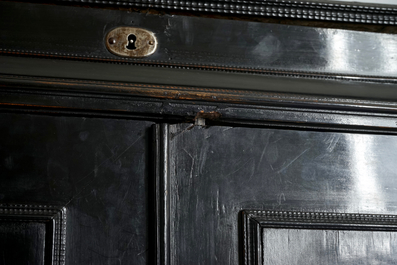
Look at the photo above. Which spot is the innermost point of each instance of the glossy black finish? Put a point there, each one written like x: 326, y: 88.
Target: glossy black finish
x: 216, y: 172
x: 96, y: 168
x: 116, y: 152
x: 192, y: 42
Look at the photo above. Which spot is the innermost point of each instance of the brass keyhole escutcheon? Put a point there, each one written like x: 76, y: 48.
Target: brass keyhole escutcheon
x: 131, y: 42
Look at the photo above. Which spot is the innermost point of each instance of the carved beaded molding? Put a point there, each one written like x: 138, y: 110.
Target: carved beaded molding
x: 338, y: 12
x: 41, y: 213
x: 255, y: 221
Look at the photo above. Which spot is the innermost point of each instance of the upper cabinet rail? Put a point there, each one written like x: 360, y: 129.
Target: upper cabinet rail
x: 66, y: 32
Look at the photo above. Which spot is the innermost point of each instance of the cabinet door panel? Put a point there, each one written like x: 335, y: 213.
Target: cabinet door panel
x: 217, y: 172
x: 94, y: 168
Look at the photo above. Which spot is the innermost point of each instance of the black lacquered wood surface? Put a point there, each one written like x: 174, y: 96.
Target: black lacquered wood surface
x: 217, y: 172
x: 236, y: 143
x: 190, y: 42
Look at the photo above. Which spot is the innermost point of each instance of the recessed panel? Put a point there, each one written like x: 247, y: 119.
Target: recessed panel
x: 32, y: 234
x: 327, y: 247
x: 311, y: 238
x: 22, y: 243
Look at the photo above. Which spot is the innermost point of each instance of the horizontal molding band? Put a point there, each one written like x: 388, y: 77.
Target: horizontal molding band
x: 82, y: 97
x: 257, y: 71
x: 380, y: 89
x: 193, y: 43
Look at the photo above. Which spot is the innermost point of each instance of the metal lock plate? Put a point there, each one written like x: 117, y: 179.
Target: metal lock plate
x: 131, y: 42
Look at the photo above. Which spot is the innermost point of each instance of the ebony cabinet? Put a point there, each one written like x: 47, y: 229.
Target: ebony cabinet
x: 236, y: 142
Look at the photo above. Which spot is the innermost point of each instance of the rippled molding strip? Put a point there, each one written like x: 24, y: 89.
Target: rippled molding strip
x: 272, y: 8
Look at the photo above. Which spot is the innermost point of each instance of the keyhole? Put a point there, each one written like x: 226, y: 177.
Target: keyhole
x: 131, y: 42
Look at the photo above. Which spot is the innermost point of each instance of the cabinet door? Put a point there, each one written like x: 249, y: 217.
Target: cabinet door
x: 277, y: 196
x: 74, y: 189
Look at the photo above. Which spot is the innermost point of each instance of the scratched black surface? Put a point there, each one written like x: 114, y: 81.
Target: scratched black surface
x: 216, y: 172
x: 97, y: 168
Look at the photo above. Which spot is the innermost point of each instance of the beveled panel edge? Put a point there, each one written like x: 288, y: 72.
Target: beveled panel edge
x: 40, y: 212
x: 256, y: 220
